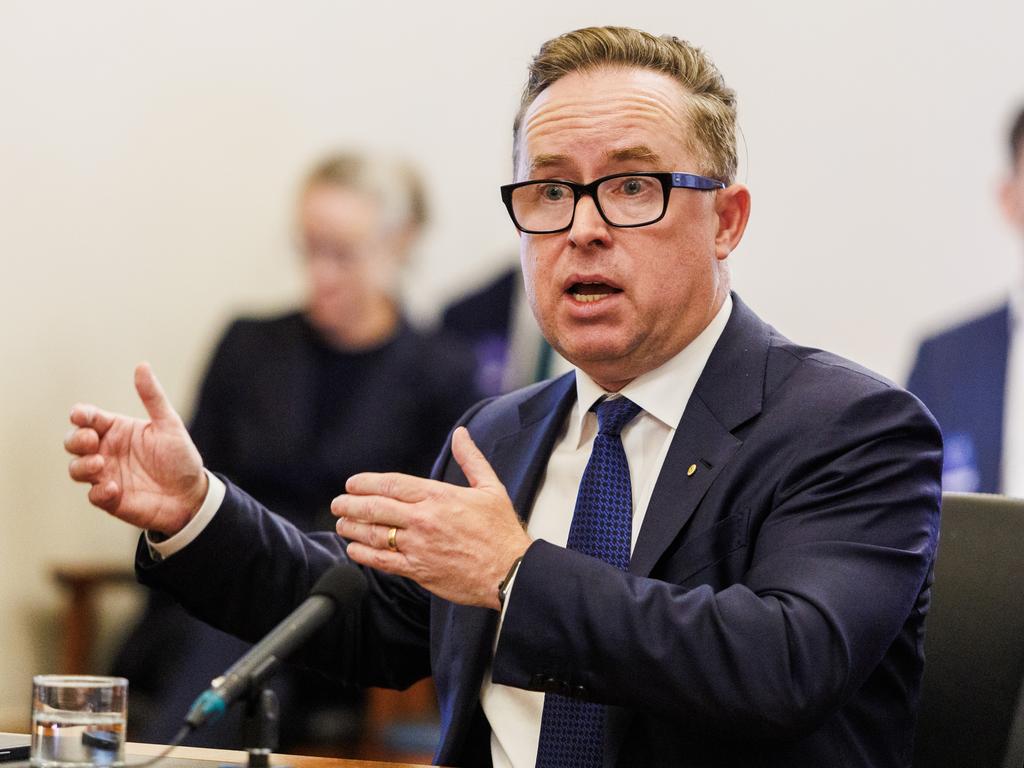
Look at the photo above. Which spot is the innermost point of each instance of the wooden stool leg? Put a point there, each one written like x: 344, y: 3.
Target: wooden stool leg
x: 79, y: 629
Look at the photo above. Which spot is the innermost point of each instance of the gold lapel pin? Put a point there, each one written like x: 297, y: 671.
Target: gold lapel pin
x: 690, y: 470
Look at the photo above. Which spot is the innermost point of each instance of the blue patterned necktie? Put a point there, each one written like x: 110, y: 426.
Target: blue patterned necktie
x: 572, y: 731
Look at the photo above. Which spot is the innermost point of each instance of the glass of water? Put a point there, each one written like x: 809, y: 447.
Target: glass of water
x: 78, y: 721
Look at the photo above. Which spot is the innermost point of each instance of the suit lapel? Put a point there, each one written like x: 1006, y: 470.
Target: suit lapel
x: 520, y: 458
x: 702, y: 443
x: 729, y: 392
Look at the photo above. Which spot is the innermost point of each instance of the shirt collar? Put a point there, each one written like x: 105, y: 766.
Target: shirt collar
x: 663, y: 392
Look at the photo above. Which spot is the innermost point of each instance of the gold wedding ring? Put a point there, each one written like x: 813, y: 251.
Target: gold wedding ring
x: 393, y: 538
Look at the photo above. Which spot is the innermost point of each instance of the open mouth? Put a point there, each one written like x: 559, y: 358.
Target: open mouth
x: 588, y: 292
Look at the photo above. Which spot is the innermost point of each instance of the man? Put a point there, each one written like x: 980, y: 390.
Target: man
x: 497, y: 322
x: 971, y: 376
x: 749, y: 552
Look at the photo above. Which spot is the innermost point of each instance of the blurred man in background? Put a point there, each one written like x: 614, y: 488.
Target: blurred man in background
x: 496, y: 321
x: 971, y: 376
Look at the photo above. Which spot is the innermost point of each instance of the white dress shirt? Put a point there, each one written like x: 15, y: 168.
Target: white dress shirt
x: 513, y: 713
x: 1013, y: 409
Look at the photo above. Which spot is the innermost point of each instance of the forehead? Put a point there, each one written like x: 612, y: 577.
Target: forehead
x: 339, y: 209
x: 599, y: 116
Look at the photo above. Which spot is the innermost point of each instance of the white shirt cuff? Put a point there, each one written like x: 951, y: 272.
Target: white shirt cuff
x: 161, y: 550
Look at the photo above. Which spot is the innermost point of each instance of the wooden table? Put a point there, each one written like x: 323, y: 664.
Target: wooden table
x: 194, y: 757
x: 219, y: 756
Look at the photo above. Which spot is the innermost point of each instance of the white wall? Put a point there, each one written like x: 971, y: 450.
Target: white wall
x: 149, y: 151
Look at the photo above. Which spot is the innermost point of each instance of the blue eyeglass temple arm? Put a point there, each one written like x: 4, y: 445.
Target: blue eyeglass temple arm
x: 693, y: 181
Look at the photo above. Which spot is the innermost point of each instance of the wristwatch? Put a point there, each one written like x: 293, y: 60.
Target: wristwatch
x: 503, y: 586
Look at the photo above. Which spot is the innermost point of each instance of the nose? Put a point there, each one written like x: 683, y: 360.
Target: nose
x: 324, y: 273
x: 588, y: 227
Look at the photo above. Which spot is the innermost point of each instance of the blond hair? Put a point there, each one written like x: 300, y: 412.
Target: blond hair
x: 394, y: 184
x: 710, y: 106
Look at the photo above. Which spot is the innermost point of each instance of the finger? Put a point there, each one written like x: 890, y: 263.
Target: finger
x: 372, y: 509
x: 152, y: 394
x: 353, y: 530
x: 105, y: 495
x: 393, y: 485
x: 375, y: 536
x: 86, y: 469
x: 474, y: 464
x: 82, y: 442
x: 84, y: 415
x: 380, y: 559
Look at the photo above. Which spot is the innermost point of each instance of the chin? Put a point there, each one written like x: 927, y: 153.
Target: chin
x: 594, y: 359
x: 318, y: 320
x: 594, y: 343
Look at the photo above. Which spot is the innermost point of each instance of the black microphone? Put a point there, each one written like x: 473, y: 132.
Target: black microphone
x: 341, y: 588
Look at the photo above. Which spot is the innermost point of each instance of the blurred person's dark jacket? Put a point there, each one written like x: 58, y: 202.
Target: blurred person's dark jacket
x: 290, y: 418
x: 960, y: 374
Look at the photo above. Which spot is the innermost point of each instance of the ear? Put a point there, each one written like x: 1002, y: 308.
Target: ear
x: 1008, y: 200
x: 402, y: 241
x: 732, y: 205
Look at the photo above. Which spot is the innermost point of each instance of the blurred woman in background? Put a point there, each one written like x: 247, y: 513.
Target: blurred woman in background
x: 290, y: 407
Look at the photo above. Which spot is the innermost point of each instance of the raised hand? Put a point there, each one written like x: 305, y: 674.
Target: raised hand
x: 456, y: 542
x: 147, y: 473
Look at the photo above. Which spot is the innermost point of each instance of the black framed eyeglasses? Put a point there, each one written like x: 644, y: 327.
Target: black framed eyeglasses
x: 547, y: 206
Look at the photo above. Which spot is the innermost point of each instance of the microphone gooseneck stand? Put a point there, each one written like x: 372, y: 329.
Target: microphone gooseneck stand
x: 261, y: 726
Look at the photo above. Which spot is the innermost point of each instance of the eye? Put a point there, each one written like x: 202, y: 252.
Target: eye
x: 553, y: 192
x: 633, y: 186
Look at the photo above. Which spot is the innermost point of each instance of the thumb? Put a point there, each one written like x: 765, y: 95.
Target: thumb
x: 473, y: 463
x: 152, y: 394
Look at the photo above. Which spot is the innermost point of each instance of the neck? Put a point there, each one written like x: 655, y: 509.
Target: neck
x: 611, y: 386
x: 374, y: 327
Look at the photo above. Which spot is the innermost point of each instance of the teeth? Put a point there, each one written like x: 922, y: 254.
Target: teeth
x: 588, y: 297
x: 579, y: 291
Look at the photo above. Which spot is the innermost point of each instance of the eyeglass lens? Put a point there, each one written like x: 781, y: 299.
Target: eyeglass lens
x: 624, y: 200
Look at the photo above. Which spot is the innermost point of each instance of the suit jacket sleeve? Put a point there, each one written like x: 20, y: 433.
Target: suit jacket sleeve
x: 250, y: 568
x: 248, y: 551
x: 840, y: 530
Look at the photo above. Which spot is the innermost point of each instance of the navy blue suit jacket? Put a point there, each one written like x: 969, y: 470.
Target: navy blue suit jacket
x: 960, y: 375
x: 773, y: 611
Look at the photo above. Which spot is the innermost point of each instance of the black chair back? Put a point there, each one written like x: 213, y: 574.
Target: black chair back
x: 972, y: 707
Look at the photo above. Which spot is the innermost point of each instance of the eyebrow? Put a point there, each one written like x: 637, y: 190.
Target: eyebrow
x: 639, y: 152
x: 547, y: 160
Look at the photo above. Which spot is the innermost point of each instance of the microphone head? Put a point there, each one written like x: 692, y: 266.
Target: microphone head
x: 343, y: 583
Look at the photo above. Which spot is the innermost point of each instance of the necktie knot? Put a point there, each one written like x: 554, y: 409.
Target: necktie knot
x: 613, y: 415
